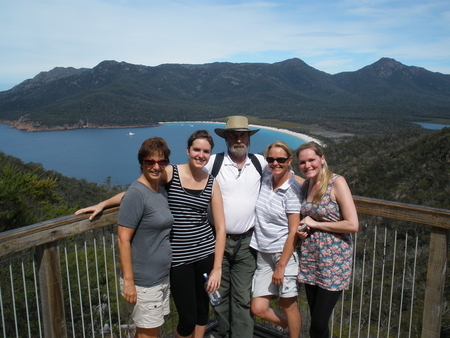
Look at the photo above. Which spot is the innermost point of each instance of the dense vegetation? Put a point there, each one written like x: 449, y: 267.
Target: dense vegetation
x: 408, y: 167
x: 384, y: 95
x: 30, y: 194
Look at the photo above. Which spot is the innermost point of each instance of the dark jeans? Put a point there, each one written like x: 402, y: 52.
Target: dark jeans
x: 321, y: 304
x: 188, y: 292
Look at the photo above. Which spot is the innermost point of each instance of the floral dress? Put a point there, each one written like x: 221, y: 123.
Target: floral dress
x: 325, y: 257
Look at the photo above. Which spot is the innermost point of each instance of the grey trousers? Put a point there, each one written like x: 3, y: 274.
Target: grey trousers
x: 233, y: 314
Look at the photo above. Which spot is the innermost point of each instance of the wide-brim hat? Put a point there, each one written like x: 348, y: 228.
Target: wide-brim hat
x: 235, y: 123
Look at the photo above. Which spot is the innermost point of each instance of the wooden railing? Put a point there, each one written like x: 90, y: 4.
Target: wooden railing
x: 45, y: 237
x: 439, y: 220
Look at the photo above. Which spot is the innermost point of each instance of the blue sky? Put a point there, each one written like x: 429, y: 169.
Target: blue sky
x: 330, y: 35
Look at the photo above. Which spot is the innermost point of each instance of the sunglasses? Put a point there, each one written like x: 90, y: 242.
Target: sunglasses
x: 151, y: 163
x: 280, y: 160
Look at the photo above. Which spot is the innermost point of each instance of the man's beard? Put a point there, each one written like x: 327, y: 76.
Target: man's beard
x: 238, y: 149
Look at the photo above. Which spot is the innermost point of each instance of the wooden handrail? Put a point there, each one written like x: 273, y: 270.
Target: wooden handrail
x: 403, y: 212
x: 49, y: 231
x: 46, y: 232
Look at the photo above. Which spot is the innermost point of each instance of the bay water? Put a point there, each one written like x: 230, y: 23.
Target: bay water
x: 97, y: 155
x: 433, y: 126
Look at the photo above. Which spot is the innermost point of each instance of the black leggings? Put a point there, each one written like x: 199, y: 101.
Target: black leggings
x: 321, y: 304
x: 188, y: 291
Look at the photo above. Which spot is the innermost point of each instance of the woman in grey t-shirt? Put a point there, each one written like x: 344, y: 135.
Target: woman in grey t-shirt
x: 144, y: 225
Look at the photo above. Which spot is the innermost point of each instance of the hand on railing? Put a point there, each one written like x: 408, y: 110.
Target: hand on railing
x: 95, y: 209
x: 98, y: 208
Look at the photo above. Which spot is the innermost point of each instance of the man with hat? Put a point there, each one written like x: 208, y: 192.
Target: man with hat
x: 239, y: 175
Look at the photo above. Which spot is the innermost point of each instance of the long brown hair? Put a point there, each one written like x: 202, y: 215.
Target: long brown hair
x: 326, y: 174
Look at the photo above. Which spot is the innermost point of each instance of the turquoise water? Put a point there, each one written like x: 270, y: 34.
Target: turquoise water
x: 432, y: 126
x: 95, y: 154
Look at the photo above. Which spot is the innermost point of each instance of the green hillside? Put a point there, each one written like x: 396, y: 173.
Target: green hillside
x: 408, y: 167
x: 30, y: 194
x: 375, y: 99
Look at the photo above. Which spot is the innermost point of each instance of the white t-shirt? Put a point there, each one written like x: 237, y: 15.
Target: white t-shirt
x: 240, y: 190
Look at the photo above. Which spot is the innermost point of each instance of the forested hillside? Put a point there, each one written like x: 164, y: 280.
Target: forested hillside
x: 30, y: 194
x: 385, y: 94
x: 408, y: 167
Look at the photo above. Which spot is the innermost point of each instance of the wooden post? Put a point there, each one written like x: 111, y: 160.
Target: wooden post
x: 434, y: 293
x: 51, y: 292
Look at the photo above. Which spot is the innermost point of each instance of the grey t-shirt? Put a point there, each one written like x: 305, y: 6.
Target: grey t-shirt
x: 148, y: 212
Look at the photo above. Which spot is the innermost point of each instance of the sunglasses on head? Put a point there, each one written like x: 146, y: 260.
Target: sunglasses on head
x: 278, y: 159
x: 151, y: 163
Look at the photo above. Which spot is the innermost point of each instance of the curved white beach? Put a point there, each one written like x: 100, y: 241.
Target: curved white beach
x: 303, y: 137
x: 300, y: 136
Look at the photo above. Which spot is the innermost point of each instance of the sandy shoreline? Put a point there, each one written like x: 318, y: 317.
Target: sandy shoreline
x: 303, y: 137
x: 300, y: 136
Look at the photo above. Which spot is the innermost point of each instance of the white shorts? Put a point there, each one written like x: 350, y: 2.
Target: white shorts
x: 152, y: 305
x: 265, y: 267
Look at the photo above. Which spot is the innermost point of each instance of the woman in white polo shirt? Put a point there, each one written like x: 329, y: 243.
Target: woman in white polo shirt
x: 274, y: 237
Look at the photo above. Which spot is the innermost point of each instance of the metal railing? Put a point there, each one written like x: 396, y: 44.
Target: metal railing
x: 59, y: 278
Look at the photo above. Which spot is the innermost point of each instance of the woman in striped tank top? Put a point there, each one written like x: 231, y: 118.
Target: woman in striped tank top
x: 195, y: 247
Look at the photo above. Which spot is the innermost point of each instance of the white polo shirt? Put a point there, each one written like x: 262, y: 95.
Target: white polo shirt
x: 271, y: 227
x: 240, y: 190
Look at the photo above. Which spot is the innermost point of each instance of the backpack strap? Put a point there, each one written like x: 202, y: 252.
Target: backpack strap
x: 217, y: 164
x: 256, y: 163
x: 219, y: 160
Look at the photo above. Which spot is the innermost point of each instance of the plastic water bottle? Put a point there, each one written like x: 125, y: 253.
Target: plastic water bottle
x: 302, y: 227
x: 215, y: 298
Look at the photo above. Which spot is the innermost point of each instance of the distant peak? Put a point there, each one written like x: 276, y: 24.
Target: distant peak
x: 108, y: 62
x: 292, y: 61
x: 388, y: 62
x: 385, y: 67
x: 48, y: 76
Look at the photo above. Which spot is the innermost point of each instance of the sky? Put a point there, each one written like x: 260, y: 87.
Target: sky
x: 330, y: 35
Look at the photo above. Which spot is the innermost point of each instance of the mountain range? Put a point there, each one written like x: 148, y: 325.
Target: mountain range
x: 123, y: 94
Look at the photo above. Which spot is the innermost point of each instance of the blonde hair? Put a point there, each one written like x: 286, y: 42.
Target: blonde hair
x: 282, y: 145
x: 326, y: 174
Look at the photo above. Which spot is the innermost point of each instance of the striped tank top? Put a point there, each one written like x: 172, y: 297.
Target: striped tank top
x: 192, y: 237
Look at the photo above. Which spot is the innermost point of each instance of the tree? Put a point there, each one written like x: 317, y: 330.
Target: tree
x: 26, y: 198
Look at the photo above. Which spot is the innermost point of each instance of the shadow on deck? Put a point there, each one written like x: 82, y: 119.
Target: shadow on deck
x: 260, y: 331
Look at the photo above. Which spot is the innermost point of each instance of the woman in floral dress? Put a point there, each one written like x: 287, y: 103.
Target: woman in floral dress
x: 330, y: 216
